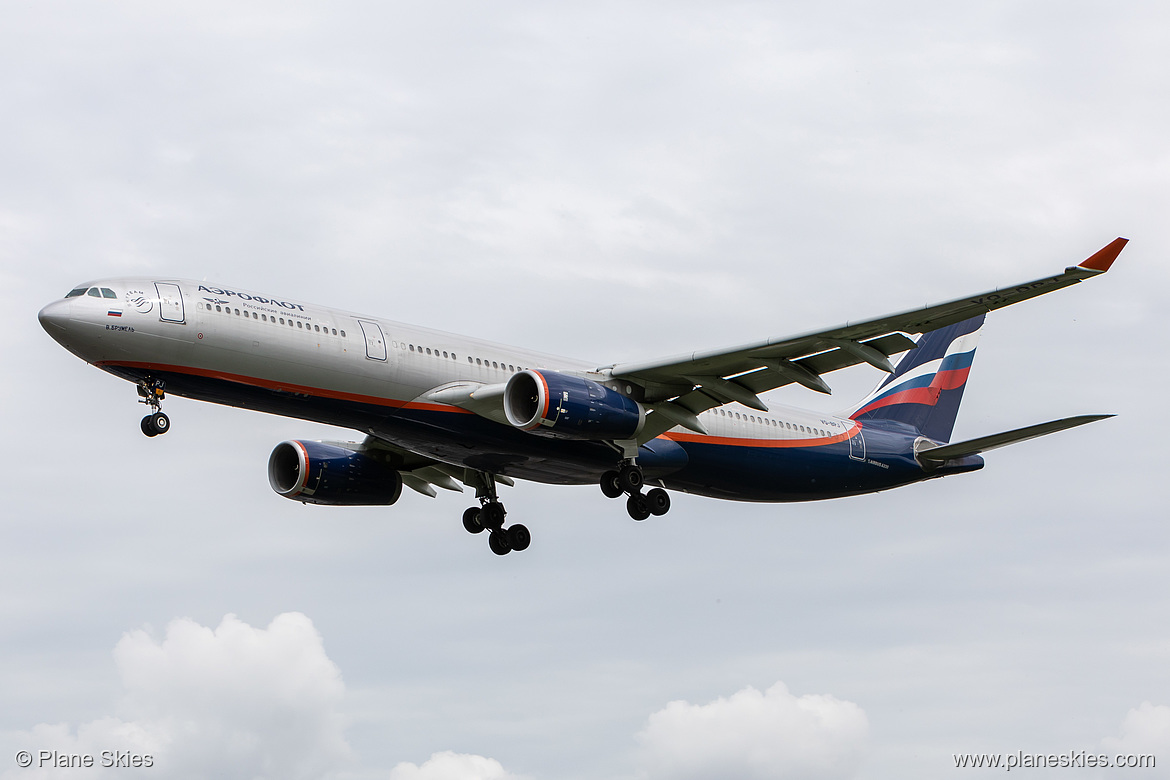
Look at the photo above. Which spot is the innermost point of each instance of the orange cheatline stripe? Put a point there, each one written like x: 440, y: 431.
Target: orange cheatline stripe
x: 288, y: 387
x: 697, y: 438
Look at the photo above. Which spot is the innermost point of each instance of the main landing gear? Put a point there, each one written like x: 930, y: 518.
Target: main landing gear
x: 152, y: 392
x: 628, y: 480
x: 489, y: 516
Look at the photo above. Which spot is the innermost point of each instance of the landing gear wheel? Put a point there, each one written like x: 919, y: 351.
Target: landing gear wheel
x: 658, y: 500
x: 638, y: 507
x: 611, y: 484
x: 148, y: 427
x: 498, y: 541
x: 630, y: 478
x: 518, y: 537
x: 160, y: 422
x: 471, y: 520
x: 492, y: 515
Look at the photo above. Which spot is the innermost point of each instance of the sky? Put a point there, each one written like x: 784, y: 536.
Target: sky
x: 610, y: 181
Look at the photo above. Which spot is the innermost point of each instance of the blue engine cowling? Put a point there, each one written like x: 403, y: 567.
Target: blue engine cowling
x: 571, y: 407
x: 317, y: 472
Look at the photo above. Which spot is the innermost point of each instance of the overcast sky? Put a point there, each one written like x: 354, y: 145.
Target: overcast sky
x: 609, y: 181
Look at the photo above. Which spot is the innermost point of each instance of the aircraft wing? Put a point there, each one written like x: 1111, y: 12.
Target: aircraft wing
x: 421, y: 473
x: 678, y: 388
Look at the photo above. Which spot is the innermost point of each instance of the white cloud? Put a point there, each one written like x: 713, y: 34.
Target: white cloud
x: 1145, y: 731
x: 752, y: 735
x: 452, y: 766
x: 235, y: 701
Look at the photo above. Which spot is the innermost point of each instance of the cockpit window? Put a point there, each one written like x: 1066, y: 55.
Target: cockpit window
x: 95, y: 292
x: 77, y: 292
x: 108, y: 293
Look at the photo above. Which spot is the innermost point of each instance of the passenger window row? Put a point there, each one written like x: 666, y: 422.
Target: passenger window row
x: 419, y: 349
x: 766, y: 421
x: 274, y: 320
x: 406, y: 347
x: 493, y: 364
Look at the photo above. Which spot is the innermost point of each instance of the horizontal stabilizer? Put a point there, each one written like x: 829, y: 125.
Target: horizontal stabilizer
x: 938, y: 455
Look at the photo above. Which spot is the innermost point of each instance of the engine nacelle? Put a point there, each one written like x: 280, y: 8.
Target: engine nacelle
x: 571, y: 407
x: 318, y: 472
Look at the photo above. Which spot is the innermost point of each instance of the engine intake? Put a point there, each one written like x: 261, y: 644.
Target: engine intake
x: 317, y: 472
x: 553, y: 404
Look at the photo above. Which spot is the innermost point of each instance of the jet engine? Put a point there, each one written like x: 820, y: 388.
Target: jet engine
x: 562, y: 405
x: 332, y: 473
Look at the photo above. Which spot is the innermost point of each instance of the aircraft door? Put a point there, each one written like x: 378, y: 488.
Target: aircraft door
x: 857, y: 445
x: 170, y: 302
x: 375, y: 341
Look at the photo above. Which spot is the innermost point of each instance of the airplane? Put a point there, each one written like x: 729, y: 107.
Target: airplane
x: 444, y: 410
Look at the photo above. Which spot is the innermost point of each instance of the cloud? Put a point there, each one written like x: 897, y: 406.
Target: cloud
x: 235, y: 701
x: 1145, y: 730
x: 452, y: 766
x: 755, y: 735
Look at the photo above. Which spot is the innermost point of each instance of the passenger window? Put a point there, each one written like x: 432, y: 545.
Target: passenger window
x: 444, y: 353
x: 495, y: 364
x: 94, y: 292
x: 335, y: 332
x: 343, y: 334
x: 217, y: 308
x: 108, y: 293
x: 510, y: 368
x: 317, y: 328
x: 478, y: 362
x: 428, y: 350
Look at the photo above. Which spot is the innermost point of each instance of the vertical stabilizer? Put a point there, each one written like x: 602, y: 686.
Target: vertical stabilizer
x: 926, y: 387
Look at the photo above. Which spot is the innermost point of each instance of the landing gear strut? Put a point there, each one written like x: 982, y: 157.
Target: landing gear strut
x: 489, y: 516
x: 152, y: 392
x: 628, y: 480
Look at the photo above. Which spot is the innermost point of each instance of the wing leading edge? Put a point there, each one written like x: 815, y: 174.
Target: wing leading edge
x: 678, y: 388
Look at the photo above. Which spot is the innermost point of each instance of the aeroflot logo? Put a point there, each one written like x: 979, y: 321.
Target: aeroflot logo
x: 246, y: 297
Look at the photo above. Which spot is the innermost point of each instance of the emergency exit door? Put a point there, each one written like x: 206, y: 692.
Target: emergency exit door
x: 375, y: 341
x: 170, y: 302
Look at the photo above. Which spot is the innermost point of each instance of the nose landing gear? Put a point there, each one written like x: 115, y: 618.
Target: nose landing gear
x: 628, y: 480
x: 152, y: 392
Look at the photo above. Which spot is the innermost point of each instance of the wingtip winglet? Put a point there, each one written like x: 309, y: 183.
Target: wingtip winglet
x: 1105, y: 256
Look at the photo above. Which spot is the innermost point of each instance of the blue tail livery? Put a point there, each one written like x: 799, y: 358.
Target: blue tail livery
x: 927, y: 387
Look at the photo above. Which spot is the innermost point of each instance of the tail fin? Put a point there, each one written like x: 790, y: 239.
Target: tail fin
x: 926, y: 387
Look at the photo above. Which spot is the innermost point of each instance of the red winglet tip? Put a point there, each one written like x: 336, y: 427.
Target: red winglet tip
x: 1105, y: 257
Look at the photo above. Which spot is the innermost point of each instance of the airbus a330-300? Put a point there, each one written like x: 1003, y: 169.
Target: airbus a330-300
x: 448, y: 411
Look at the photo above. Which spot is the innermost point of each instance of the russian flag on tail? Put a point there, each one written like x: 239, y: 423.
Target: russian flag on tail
x: 927, y: 386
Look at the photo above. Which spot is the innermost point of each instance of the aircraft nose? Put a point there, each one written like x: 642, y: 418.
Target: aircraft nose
x: 55, y: 317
